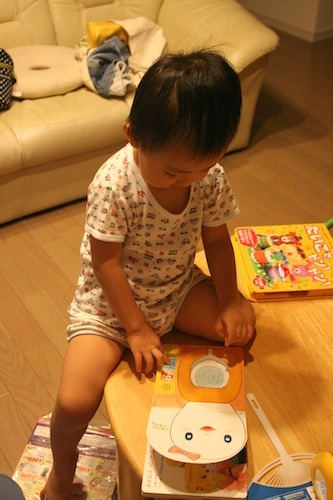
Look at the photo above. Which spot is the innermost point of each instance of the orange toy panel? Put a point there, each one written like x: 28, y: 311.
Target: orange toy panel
x: 210, y: 375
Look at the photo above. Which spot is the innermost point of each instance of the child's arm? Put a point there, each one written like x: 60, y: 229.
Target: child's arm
x: 143, y: 341
x: 231, y: 323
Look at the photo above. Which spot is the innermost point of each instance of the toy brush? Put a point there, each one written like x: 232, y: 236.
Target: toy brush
x: 287, y: 470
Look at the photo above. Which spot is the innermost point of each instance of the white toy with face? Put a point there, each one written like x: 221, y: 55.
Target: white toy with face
x: 197, y: 433
x: 207, y: 428
x: 210, y: 431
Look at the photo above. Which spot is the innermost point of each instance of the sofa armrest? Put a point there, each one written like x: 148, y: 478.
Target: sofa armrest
x: 222, y: 25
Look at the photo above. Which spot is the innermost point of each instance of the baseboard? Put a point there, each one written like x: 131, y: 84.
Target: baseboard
x: 309, y: 36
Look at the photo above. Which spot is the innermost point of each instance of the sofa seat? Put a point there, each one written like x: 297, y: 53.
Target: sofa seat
x: 52, y: 128
x: 51, y: 147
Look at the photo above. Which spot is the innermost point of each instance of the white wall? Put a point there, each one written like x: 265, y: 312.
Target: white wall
x: 311, y: 20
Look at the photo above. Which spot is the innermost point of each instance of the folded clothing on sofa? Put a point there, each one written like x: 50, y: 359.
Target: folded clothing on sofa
x: 113, y: 67
x: 108, y: 67
x: 99, y: 31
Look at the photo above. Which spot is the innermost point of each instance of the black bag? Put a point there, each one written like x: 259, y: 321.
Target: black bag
x: 7, y: 79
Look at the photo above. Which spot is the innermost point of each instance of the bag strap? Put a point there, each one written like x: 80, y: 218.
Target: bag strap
x: 7, y: 66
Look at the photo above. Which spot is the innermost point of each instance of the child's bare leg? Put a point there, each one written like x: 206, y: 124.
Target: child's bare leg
x: 199, y: 310
x: 89, y: 361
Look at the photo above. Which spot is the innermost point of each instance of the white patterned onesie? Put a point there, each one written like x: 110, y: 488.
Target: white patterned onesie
x: 158, y: 246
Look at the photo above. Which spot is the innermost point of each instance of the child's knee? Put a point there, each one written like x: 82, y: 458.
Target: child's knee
x: 74, y: 409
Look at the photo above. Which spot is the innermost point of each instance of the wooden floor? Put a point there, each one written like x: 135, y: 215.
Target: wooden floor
x: 286, y: 175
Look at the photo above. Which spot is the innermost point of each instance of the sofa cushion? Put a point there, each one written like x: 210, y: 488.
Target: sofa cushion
x: 10, y: 155
x: 51, y: 128
x: 71, y: 17
x: 27, y: 22
x: 222, y: 25
x: 44, y: 70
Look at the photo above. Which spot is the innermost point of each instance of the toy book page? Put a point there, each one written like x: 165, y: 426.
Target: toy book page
x: 287, y: 258
x: 198, y: 407
x: 163, y: 477
x: 96, y: 472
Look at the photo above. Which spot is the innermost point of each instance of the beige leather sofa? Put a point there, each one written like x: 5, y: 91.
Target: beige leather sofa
x: 50, y: 147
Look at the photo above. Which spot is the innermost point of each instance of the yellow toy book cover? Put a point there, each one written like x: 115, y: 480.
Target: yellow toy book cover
x: 284, y: 261
x: 196, y: 430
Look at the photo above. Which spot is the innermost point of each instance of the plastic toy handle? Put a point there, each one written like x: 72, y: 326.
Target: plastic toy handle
x: 267, y: 425
x: 323, y: 463
x: 329, y: 223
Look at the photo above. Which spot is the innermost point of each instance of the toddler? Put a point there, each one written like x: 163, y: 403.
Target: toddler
x: 148, y: 207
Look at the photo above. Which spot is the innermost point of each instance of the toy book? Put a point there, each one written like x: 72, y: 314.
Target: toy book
x: 196, y: 430
x: 284, y: 261
x: 96, y: 471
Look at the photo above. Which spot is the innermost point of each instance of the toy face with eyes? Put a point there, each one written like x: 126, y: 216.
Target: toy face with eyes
x: 192, y: 419
x: 207, y: 432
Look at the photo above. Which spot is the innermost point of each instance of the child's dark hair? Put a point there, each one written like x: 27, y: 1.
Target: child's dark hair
x: 189, y: 99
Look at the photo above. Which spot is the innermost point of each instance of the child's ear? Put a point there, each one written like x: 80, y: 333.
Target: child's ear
x: 129, y: 135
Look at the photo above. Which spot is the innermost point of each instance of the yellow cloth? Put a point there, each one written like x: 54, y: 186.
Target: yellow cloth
x: 99, y: 31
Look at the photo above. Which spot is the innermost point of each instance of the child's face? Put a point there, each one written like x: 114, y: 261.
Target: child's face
x: 173, y: 166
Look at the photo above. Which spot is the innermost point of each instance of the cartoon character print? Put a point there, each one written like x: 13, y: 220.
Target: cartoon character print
x: 265, y: 241
x: 207, y: 478
x: 283, y: 253
x: 199, y: 427
x: 276, y: 262
x: 167, y: 376
x: 201, y: 424
x: 286, y: 269
x: 212, y: 478
x: 304, y: 271
x: 266, y: 257
x: 292, y: 252
x: 280, y: 272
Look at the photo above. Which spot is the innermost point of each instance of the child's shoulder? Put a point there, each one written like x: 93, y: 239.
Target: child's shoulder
x: 214, y: 179
x: 117, y: 169
x: 215, y: 171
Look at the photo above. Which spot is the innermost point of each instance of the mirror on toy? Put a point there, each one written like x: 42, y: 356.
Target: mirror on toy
x: 210, y: 371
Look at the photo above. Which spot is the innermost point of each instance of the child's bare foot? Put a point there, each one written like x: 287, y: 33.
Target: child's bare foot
x: 55, y: 491
x: 59, y: 489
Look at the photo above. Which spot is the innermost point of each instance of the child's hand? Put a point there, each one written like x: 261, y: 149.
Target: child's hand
x: 233, y: 325
x: 147, y: 349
